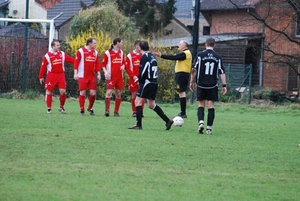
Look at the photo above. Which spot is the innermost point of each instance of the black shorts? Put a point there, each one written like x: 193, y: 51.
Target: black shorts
x: 182, y: 81
x: 147, y: 90
x: 207, y: 94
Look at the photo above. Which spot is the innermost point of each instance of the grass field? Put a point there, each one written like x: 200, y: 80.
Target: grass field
x: 253, y: 154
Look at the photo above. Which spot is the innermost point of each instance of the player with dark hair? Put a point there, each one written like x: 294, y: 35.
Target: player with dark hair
x: 54, y: 62
x: 132, y: 67
x: 148, y: 87
x: 182, y: 72
x: 113, y: 65
x: 86, y: 66
x: 207, y: 67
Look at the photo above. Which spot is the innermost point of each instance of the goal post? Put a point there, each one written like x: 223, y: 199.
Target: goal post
x: 51, y: 22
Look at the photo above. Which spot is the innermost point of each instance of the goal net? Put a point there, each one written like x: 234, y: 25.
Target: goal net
x: 23, y: 44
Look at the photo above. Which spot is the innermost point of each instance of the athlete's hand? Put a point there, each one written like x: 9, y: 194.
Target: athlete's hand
x: 157, y: 54
x: 192, y: 86
x: 122, y: 67
x: 136, y: 79
x: 41, y: 80
x: 75, y: 76
x: 107, y: 75
x: 224, y: 90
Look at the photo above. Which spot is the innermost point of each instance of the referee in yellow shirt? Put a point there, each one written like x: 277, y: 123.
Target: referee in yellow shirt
x: 182, y: 72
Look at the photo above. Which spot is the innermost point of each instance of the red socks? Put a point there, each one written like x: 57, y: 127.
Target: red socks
x: 49, y: 100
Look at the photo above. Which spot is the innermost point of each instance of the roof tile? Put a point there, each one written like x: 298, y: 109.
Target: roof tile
x: 69, y: 8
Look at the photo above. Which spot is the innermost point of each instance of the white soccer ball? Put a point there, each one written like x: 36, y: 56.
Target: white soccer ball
x: 178, y: 121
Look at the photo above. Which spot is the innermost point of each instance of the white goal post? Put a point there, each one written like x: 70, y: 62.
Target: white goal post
x: 51, y: 22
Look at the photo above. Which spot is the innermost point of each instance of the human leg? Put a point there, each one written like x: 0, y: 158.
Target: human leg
x: 212, y: 96
x: 49, y: 101
x: 118, y: 101
x: 200, y: 115
x: 182, y: 81
x: 133, y: 107
x: 152, y: 105
x: 182, y: 96
x: 61, y: 83
x: 62, y: 100
x: 81, y: 101
x: 139, y: 113
x: 210, y: 116
x: 92, y: 98
x: 107, y: 101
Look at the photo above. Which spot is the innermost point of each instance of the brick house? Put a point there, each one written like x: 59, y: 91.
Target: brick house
x: 274, y: 51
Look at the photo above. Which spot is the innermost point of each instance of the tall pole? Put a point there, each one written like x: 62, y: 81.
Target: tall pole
x: 196, y: 28
x: 195, y: 37
x: 25, y: 50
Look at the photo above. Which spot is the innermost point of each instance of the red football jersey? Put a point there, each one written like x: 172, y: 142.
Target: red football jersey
x: 86, y: 62
x: 112, y: 61
x: 54, y: 62
x: 132, y: 63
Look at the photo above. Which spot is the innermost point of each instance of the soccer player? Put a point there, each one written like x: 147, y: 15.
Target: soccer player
x: 207, y: 67
x: 132, y: 67
x: 113, y: 65
x: 86, y: 66
x: 182, y: 72
x: 148, y: 87
x: 54, y: 62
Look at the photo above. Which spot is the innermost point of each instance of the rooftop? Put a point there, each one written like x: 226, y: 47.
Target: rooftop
x: 18, y: 30
x: 68, y: 8
x: 227, y: 5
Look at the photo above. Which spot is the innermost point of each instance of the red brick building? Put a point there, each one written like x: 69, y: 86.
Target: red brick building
x: 276, y: 22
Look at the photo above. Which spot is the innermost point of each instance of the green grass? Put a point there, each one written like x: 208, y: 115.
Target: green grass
x: 253, y: 154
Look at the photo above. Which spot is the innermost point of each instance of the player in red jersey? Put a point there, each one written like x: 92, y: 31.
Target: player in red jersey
x: 54, y: 63
x: 86, y: 65
x: 132, y: 66
x: 113, y: 65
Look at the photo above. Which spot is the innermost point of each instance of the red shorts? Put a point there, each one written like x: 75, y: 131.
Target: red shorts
x: 87, y: 83
x: 132, y: 86
x: 54, y: 79
x: 115, y: 83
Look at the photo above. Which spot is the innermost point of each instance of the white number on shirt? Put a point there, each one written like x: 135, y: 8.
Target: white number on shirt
x: 209, y: 68
x: 154, y: 69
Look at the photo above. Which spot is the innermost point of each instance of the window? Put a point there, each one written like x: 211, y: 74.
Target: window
x: 206, y: 30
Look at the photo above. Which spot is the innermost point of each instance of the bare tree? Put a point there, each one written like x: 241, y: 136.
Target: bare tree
x: 280, y: 20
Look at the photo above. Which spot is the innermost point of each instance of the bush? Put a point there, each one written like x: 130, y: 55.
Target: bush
x: 269, y: 94
x: 229, y: 96
x: 30, y: 94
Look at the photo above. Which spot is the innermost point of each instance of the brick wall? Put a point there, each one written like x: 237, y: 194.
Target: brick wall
x: 279, y: 16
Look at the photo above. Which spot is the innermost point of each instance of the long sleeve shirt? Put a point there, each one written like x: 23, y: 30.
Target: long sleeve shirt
x: 86, y: 62
x: 54, y: 62
x: 132, y: 63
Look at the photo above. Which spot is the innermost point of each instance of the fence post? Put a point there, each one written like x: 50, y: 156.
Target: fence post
x: 250, y: 83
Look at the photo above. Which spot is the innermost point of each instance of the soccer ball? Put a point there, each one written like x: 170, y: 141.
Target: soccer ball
x: 178, y: 121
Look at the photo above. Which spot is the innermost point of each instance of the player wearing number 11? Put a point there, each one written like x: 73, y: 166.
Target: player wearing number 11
x: 207, y: 67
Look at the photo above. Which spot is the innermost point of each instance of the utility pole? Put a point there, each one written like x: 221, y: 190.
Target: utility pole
x: 196, y: 28
x: 195, y: 36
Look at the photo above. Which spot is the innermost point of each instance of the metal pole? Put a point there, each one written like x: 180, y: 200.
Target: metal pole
x: 25, y: 49
x: 250, y: 83
x: 195, y: 37
x: 196, y: 28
